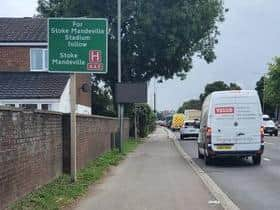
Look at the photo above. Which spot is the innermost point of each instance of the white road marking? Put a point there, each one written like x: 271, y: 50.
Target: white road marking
x: 266, y: 159
x: 214, y: 202
x: 268, y: 143
x: 216, y: 191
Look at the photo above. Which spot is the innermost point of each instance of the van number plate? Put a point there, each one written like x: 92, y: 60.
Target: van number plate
x: 224, y: 147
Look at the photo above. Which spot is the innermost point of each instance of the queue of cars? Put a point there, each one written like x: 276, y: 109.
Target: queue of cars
x: 231, y: 124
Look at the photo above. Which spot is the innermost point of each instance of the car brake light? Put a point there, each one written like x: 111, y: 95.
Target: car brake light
x: 208, y: 131
x: 262, y: 134
x: 208, y: 134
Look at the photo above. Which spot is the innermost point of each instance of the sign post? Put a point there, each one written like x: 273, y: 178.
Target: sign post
x: 73, y: 128
x: 77, y: 45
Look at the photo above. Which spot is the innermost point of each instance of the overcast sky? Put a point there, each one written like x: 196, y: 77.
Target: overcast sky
x: 249, y: 40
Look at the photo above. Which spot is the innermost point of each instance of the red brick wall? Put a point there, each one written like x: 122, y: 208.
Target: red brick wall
x: 30, y: 152
x: 93, y: 138
x: 14, y: 58
x: 35, y: 147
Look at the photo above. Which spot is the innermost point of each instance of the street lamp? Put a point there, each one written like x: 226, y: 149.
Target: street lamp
x: 120, y: 106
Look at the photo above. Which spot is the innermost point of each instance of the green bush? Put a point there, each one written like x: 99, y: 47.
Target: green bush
x: 145, y: 119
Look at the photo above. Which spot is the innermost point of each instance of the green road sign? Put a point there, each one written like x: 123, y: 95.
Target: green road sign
x: 78, y: 45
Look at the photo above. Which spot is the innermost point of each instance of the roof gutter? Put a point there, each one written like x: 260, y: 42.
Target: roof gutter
x: 8, y: 44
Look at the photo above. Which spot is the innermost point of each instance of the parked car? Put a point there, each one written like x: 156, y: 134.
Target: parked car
x: 161, y: 123
x: 190, y: 129
x: 231, y: 125
x: 269, y: 126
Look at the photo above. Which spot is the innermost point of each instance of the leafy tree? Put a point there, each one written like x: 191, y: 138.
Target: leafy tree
x: 260, y: 87
x: 159, y: 37
x: 234, y: 86
x: 272, y: 85
x: 145, y: 116
x: 268, y: 107
x: 217, y: 86
x: 191, y: 104
x: 102, y: 102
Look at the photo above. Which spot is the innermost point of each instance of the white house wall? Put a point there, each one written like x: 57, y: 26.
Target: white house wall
x: 58, y: 105
x: 64, y: 102
x: 39, y: 102
x: 81, y: 109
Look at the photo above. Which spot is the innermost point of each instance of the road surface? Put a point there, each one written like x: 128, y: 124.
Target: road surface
x: 250, y: 187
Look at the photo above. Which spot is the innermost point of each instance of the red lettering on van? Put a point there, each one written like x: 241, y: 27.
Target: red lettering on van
x: 224, y: 110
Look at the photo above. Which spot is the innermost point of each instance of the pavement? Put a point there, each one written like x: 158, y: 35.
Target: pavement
x: 250, y: 187
x: 154, y: 177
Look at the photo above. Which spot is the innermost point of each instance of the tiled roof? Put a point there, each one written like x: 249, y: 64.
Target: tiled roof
x: 23, y: 30
x: 32, y: 85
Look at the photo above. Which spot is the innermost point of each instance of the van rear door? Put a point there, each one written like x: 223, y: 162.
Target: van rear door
x: 236, y: 123
x: 249, y: 119
x: 222, y: 120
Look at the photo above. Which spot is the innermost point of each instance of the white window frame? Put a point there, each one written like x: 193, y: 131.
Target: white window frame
x: 44, y: 52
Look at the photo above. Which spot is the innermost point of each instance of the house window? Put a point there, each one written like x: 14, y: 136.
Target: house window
x: 46, y: 107
x: 39, y: 59
x: 10, y: 105
x: 28, y: 106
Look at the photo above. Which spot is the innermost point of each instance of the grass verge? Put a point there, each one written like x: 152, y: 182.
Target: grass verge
x: 62, y: 192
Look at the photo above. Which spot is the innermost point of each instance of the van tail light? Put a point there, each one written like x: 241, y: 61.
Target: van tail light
x: 262, y: 134
x: 208, y: 135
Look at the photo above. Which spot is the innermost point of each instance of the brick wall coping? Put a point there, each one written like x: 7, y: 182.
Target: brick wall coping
x: 2, y: 108
x: 12, y: 109
x: 99, y: 116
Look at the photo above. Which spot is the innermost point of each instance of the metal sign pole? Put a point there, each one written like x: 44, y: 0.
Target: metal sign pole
x: 135, y: 122
x: 120, y: 106
x: 73, y: 128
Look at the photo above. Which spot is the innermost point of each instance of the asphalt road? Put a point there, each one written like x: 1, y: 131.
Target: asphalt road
x: 250, y: 187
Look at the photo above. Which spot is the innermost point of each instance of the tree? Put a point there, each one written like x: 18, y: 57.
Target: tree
x: 102, y: 102
x: 272, y: 85
x: 217, y: 86
x: 146, y: 119
x: 268, y: 107
x: 260, y: 87
x: 191, y: 104
x: 159, y: 37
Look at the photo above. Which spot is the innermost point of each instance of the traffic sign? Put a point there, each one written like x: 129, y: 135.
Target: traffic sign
x: 78, y: 45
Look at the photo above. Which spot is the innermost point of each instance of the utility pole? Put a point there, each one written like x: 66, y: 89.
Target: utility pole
x: 155, y: 103
x: 120, y: 106
x: 73, y: 128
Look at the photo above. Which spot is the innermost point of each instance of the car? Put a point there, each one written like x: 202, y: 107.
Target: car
x: 231, y: 125
x: 190, y: 129
x: 269, y: 126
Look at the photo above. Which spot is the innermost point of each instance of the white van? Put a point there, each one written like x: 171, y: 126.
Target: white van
x: 231, y: 125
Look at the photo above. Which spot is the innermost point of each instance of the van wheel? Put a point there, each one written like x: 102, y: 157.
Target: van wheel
x: 270, y: 134
x: 276, y: 133
x: 257, y: 159
x: 200, y: 156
